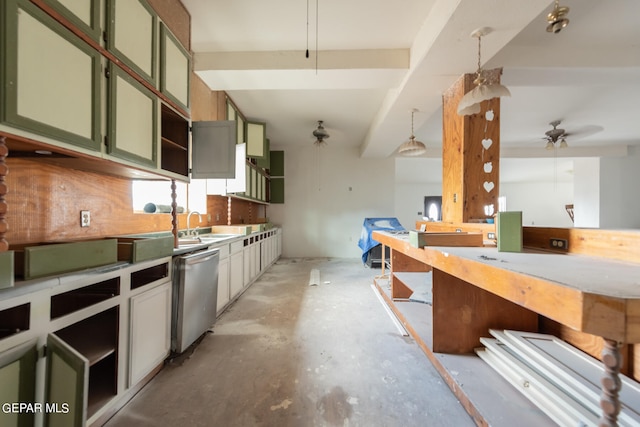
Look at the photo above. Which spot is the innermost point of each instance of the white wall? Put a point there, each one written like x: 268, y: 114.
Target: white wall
x: 587, y: 192
x: 542, y: 203
x: 619, y: 195
x: 414, y: 179
x: 328, y: 193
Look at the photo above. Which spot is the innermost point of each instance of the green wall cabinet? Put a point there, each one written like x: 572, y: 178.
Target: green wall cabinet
x: 50, y: 78
x: 132, y: 118
x: 83, y: 14
x: 234, y: 114
x: 131, y: 36
x: 256, y: 140
x: 277, y: 190
x: 276, y: 184
x: 175, y: 68
x: 265, y: 162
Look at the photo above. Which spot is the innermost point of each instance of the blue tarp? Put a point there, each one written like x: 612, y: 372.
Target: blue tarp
x: 370, y: 224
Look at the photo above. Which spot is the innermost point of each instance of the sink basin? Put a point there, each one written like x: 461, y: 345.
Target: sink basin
x: 183, y: 241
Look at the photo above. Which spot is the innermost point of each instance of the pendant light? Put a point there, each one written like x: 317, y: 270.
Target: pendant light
x: 412, y: 147
x: 557, y: 18
x: 470, y: 102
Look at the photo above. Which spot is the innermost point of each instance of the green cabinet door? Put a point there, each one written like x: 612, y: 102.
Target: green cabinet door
x: 66, y: 382
x: 175, y: 68
x: 276, y: 187
x: 131, y: 35
x: 50, y: 78
x: 18, y: 379
x: 256, y: 140
x: 132, y: 118
x: 84, y: 14
x: 265, y: 162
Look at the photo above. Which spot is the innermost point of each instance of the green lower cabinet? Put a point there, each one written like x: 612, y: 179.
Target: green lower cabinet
x: 67, y: 384
x: 18, y: 378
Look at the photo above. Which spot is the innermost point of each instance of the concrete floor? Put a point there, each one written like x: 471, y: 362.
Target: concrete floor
x: 289, y: 354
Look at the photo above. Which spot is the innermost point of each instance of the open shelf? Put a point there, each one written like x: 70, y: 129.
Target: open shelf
x: 77, y: 299
x: 102, y: 386
x: 149, y: 275
x: 95, y: 337
x: 174, y: 149
x: 14, y: 320
x: 488, y: 397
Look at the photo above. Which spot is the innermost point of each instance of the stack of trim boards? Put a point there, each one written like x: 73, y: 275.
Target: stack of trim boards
x: 560, y: 379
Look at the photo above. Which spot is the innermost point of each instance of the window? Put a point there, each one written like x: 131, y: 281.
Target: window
x: 189, y: 196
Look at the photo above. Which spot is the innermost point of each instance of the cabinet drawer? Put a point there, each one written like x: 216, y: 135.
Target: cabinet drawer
x: 237, y: 246
x: 223, y: 250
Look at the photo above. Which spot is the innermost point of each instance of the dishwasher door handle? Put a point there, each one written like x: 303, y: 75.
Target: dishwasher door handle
x: 200, y: 257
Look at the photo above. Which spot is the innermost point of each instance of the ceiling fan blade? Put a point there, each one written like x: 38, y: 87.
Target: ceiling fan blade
x: 583, y: 132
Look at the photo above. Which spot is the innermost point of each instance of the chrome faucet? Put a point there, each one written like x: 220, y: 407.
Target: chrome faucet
x: 189, y: 232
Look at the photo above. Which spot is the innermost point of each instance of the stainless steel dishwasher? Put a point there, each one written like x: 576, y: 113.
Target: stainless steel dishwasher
x: 195, y: 293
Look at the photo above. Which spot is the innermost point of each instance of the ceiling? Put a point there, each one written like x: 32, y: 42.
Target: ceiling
x: 372, y: 61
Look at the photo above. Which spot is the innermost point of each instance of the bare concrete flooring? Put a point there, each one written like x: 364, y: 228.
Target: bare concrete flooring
x: 289, y: 354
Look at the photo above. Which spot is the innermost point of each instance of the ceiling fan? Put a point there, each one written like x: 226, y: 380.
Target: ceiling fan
x: 320, y: 134
x: 554, y: 135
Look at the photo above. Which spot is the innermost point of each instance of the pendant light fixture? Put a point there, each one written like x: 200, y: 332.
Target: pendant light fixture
x: 412, y: 147
x: 557, y: 18
x: 470, y: 102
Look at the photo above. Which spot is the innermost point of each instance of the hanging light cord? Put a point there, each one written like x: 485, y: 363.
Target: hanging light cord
x: 307, y: 53
x: 412, y: 113
x: 317, y: 1
x: 479, y: 80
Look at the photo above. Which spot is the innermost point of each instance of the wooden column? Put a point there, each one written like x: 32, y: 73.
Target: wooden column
x: 470, y: 153
x: 4, y: 151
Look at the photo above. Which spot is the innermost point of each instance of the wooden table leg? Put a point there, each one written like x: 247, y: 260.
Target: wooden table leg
x: 609, y: 401
x: 384, y: 259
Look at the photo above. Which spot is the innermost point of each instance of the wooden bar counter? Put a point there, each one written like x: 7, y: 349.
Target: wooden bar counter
x: 478, y: 288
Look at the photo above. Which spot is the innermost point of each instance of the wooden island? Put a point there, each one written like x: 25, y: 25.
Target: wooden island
x: 475, y: 289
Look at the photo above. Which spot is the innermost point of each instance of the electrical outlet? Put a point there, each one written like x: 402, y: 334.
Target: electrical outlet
x: 85, y: 218
x: 491, y: 236
x: 559, y: 244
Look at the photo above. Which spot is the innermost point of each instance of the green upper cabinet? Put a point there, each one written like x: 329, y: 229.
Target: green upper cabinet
x: 175, y: 68
x: 132, y: 119
x: 276, y: 183
x: 265, y: 161
x: 50, y: 78
x: 277, y: 163
x: 84, y: 14
x: 234, y: 114
x: 132, y: 35
x: 256, y: 140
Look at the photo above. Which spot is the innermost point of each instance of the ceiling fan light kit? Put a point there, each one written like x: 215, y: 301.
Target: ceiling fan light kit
x: 554, y: 135
x: 557, y: 18
x: 412, y: 147
x: 484, y: 91
x: 320, y: 134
